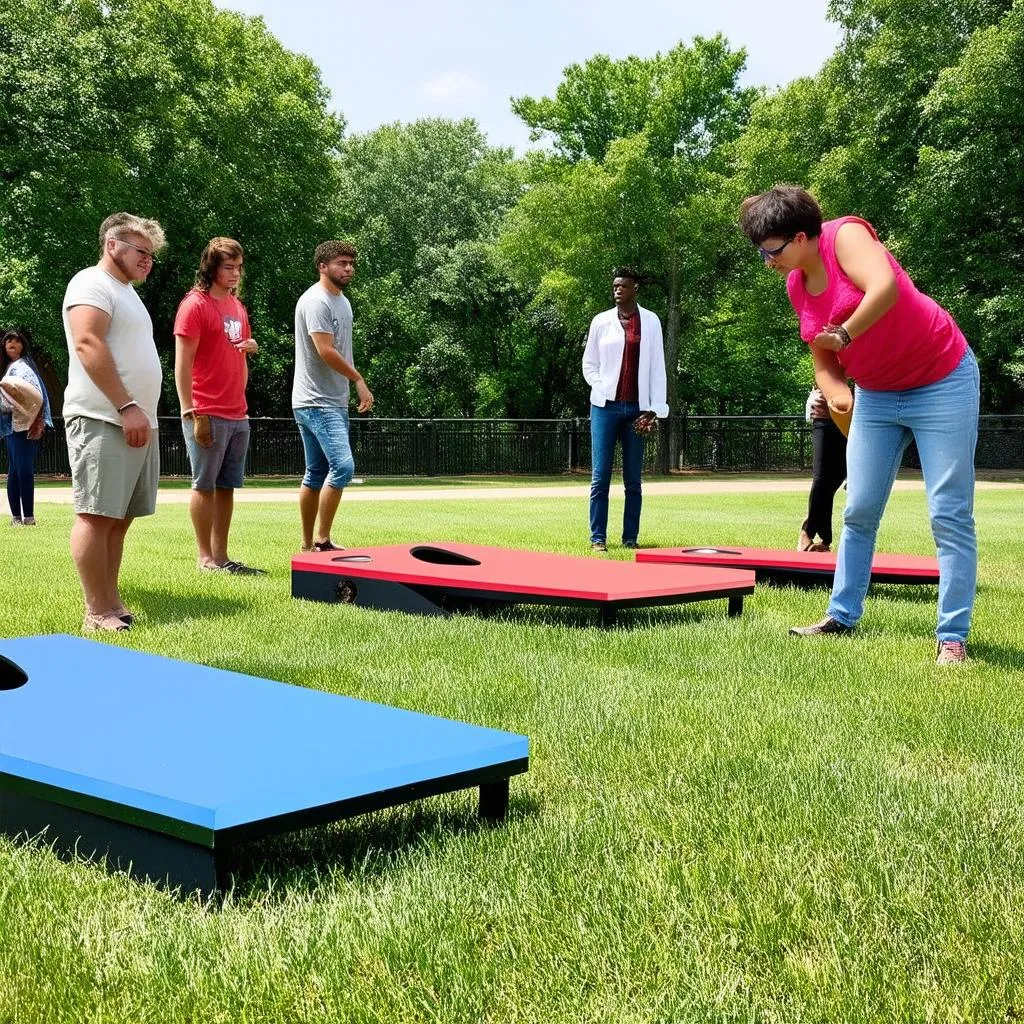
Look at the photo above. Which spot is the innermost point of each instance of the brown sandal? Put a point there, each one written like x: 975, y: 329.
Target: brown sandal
x: 109, y: 622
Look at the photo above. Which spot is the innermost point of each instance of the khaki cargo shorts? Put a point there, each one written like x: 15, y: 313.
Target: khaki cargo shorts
x: 109, y: 478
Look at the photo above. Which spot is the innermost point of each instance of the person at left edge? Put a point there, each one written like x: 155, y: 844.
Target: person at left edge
x: 212, y: 344
x: 16, y: 363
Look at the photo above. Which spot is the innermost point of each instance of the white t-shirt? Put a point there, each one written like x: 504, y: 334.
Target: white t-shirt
x: 131, y: 344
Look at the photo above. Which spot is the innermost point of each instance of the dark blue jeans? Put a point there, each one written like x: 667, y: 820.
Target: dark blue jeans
x: 610, y: 423
x: 21, y: 486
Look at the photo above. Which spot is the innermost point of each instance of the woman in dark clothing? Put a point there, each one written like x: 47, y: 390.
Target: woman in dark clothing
x: 17, y: 365
x: 829, y: 472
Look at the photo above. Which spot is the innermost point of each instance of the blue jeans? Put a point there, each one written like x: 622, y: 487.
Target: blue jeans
x: 610, y: 423
x: 324, y: 431
x: 21, y: 484
x: 943, y: 420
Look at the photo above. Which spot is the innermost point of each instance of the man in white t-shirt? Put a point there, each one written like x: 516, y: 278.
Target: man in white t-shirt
x: 114, y: 379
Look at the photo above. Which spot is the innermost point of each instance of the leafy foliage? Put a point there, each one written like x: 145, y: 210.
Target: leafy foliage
x: 433, y: 307
x: 638, y: 165
x: 479, y: 270
x: 174, y: 110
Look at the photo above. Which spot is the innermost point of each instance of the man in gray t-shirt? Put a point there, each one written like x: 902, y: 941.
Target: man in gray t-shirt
x: 324, y: 369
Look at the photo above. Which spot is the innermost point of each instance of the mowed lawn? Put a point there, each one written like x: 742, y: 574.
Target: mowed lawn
x: 720, y: 823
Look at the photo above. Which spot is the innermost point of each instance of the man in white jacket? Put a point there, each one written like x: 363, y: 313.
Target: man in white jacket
x: 624, y: 364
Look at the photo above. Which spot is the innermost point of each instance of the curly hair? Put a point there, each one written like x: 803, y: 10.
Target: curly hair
x: 327, y: 251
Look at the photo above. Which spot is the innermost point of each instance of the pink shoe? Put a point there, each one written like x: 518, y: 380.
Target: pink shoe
x: 951, y: 652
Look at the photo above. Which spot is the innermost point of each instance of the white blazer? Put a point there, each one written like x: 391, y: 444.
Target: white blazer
x: 602, y: 360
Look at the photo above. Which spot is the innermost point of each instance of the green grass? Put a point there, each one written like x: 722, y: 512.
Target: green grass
x: 720, y: 823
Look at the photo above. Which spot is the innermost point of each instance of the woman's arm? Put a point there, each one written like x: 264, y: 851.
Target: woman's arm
x: 831, y: 382
x: 862, y: 258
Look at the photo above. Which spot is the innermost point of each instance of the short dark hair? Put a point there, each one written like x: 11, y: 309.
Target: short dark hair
x: 327, y: 251
x: 633, y: 275
x: 781, y: 212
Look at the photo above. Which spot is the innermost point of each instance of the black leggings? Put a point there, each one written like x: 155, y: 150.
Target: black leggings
x: 21, y: 485
x: 829, y: 473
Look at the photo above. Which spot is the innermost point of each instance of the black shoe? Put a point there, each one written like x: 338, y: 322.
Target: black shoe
x: 630, y: 544
x: 241, y: 569
x: 326, y: 545
x: 827, y: 625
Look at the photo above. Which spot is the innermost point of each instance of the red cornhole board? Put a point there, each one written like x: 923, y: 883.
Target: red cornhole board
x: 438, y: 578
x: 802, y: 568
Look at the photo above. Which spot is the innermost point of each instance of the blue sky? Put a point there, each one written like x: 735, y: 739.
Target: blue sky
x: 394, y: 60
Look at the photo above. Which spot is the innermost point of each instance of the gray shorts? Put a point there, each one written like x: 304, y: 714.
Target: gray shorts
x: 108, y: 478
x: 223, y: 465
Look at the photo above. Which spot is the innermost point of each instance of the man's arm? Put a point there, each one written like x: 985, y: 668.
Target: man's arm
x: 89, y: 327
x: 184, y: 359
x: 659, y: 380
x: 324, y: 343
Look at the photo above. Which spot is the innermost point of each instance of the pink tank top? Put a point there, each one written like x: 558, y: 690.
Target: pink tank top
x: 915, y: 343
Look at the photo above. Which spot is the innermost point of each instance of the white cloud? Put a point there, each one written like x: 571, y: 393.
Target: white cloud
x: 451, y: 85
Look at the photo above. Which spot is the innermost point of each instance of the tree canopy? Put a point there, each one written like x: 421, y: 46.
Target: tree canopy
x: 480, y: 269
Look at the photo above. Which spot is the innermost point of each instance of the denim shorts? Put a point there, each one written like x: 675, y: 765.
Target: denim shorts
x: 221, y: 466
x: 324, y: 431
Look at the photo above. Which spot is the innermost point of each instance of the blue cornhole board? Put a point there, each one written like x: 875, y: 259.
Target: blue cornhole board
x: 162, y: 766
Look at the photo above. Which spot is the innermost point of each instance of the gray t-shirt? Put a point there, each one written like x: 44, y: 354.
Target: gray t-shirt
x: 316, y: 383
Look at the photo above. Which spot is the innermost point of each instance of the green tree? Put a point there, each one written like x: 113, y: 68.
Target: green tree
x: 174, y: 110
x: 914, y: 123
x: 965, y: 229
x: 639, y: 155
x: 435, y: 311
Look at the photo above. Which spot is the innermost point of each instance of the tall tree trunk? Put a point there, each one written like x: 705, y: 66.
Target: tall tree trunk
x: 672, y: 362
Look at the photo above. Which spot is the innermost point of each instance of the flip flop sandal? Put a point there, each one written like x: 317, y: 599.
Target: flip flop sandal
x: 109, y: 623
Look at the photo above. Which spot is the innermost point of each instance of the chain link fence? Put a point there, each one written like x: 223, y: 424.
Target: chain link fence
x: 462, y: 447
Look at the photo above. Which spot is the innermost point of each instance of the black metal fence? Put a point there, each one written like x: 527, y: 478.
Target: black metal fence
x: 428, y: 447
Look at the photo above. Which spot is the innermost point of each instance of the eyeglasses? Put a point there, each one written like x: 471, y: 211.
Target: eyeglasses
x: 770, y: 254
x: 137, y: 248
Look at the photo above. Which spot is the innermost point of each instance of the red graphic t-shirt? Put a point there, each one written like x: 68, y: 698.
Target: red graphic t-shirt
x: 220, y: 371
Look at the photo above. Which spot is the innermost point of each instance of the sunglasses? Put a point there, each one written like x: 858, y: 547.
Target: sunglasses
x: 770, y: 254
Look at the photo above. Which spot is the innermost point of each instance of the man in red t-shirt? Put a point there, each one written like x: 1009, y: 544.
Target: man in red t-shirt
x: 211, y: 346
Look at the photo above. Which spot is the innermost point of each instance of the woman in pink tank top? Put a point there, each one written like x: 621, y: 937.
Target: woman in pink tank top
x: 917, y: 379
